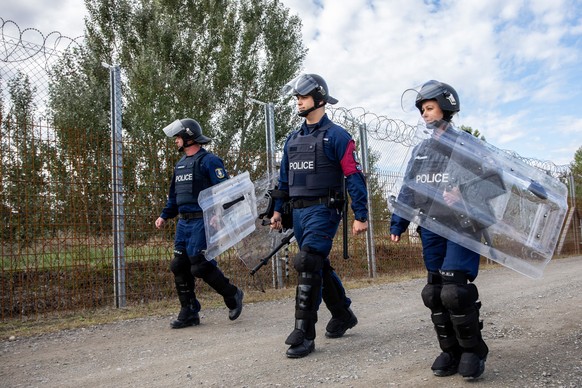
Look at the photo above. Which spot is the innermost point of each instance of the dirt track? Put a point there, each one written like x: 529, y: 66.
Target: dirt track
x: 533, y: 329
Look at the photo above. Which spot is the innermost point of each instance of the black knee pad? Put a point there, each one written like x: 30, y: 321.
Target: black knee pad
x: 308, y: 260
x: 431, y: 296
x: 200, y: 267
x: 179, y: 263
x: 459, y: 297
x: 431, y: 293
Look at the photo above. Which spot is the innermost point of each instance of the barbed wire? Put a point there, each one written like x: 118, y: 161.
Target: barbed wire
x: 18, y: 45
x: 378, y: 127
x: 544, y: 165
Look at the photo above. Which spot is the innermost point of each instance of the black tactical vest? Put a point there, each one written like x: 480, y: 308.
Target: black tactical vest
x: 189, y: 180
x: 430, y: 174
x: 311, y: 173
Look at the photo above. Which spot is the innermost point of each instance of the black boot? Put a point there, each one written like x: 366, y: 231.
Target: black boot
x: 234, y: 312
x: 472, y: 363
x: 301, y: 346
x: 301, y: 350
x: 188, y: 316
x: 446, y: 364
x: 468, y: 326
x: 307, y: 294
x: 340, y: 322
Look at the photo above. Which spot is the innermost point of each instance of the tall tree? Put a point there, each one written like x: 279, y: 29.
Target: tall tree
x: 199, y: 59
x: 202, y: 59
x: 80, y: 110
x: 474, y: 132
x: 23, y: 180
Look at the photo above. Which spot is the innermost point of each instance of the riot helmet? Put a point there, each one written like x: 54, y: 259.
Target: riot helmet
x: 444, y: 94
x: 189, y: 130
x: 309, y: 85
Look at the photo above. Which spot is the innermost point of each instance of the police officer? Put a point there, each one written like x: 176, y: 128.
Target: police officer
x: 315, y: 160
x: 197, y: 170
x: 449, y: 293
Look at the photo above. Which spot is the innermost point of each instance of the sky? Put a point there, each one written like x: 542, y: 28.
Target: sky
x: 516, y: 64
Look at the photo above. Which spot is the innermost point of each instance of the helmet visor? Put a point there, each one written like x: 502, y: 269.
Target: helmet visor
x: 174, y: 128
x: 412, y: 97
x: 299, y: 86
x: 409, y: 98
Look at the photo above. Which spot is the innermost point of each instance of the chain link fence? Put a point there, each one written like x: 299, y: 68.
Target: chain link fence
x: 77, y: 223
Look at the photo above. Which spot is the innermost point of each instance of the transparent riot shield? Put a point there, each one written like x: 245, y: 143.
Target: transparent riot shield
x: 482, y: 198
x: 230, y: 211
x: 260, y: 244
x: 262, y: 241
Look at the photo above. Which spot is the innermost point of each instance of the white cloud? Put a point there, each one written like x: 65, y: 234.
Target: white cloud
x: 515, y: 63
x: 63, y: 16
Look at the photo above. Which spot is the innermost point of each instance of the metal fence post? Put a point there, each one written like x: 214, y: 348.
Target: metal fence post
x: 371, y: 253
x: 270, y: 137
x: 117, y: 187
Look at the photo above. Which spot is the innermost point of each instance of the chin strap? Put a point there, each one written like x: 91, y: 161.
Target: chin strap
x: 315, y: 106
x: 185, y: 146
x: 304, y: 113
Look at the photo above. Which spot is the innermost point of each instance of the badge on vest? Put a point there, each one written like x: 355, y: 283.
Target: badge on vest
x: 219, y: 173
x: 308, y: 165
x: 433, y: 178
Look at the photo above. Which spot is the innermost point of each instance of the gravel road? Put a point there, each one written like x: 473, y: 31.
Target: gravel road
x: 533, y: 329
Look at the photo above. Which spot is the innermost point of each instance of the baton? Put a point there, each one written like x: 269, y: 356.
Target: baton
x: 286, y: 240
x: 345, y: 220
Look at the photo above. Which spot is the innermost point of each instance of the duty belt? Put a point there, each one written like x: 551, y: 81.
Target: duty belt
x: 300, y: 203
x: 190, y: 216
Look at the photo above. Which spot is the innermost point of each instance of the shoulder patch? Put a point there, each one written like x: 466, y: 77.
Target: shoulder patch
x: 220, y: 174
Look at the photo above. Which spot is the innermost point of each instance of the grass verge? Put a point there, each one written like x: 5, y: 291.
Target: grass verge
x: 51, y: 323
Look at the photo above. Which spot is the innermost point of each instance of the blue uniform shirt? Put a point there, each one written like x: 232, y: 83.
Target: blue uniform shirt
x: 339, y: 147
x: 212, y: 167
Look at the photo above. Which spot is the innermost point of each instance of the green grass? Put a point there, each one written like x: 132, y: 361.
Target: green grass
x: 92, y: 256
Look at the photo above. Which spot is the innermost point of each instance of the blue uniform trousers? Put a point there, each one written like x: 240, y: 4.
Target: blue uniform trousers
x: 440, y: 253
x: 315, y: 227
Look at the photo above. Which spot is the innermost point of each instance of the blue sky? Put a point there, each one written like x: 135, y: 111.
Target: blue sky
x: 516, y: 64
